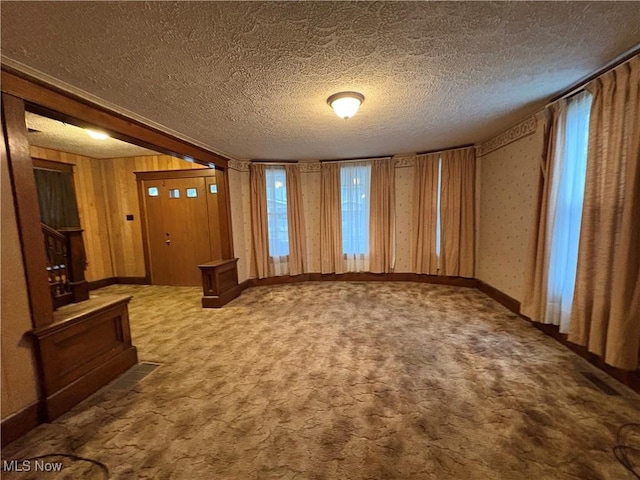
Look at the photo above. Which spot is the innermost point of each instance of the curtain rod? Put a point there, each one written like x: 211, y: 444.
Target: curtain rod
x: 275, y: 162
x: 577, y: 87
x: 615, y: 63
x: 459, y: 147
x: 356, y: 159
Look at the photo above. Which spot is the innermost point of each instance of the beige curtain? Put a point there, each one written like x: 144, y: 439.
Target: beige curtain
x: 331, y: 257
x: 295, y: 217
x: 534, y: 302
x: 260, y: 234
x: 382, y: 223
x: 425, y: 211
x: 606, y: 303
x: 457, y: 212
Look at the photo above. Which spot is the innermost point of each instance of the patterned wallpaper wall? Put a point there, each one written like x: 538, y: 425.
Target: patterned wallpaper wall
x: 310, y: 180
x: 506, y: 181
x: 239, y: 221
x: 404, y: 209
x: 506, y: 190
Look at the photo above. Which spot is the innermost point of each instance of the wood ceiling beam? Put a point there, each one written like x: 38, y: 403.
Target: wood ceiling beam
x: 50, y: 100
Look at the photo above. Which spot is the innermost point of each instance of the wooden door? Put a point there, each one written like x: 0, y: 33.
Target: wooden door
x: 177, y: 229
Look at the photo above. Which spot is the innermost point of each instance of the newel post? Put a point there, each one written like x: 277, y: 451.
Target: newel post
x: 77, y: 263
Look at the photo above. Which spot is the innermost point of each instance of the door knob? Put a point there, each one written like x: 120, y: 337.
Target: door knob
x: 167, y: 241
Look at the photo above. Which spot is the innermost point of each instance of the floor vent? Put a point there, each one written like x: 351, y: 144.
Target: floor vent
x: 600, y: 384
x: 128, y: 379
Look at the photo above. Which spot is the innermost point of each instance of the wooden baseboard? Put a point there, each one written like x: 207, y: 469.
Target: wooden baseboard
x: 132, y: 281
x: 628, y: 378
x: 105, y: 282
x: 63, y: 400
x: 361, y: 277
x: 509, y: 302
x: 18, y: 424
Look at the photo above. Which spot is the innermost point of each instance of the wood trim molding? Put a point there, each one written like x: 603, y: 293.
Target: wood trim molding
x: 143, y: 228
x: 105, y: 282
x: 27, y: 210
x: 630, y: 379
x: 362, y: 277
x: 132, y: 281
x: 224, y: 215
x: 53, y: 165
x: 171, y: 174
x: 18, y: 424
x: 505, y: 300
x: 49, y: 100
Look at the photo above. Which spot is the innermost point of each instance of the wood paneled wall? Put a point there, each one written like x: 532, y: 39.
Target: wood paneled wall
x: 92, y: 207
x: 107, y: 192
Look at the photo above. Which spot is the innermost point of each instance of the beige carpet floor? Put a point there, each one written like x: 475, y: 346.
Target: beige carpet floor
x: 341, y: 381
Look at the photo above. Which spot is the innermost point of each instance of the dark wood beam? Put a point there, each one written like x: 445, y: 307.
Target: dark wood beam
x: 27, y: 211
x: 52, y: 101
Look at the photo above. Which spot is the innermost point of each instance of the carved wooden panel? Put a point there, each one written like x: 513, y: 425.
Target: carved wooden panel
x: 86, y: 346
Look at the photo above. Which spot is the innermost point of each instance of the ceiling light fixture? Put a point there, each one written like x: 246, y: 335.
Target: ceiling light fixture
x: 96, y: 134
x: 345, y: 104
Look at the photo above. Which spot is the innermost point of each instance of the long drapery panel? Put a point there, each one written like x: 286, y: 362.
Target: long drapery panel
x: 606, y: 307
x: 259, y: 231
x: 457, y: 212
x: 331, y: 257
x: 425, y: 213
x: 295, y: 215
x: 56, y: 198
x: 382, y: 230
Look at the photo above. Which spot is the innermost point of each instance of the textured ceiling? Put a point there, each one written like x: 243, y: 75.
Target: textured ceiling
x: 49, y: 133
x: 250, y: 79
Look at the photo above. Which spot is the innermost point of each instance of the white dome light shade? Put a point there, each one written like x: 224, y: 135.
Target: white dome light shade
x: 345, y: 104
x: 96, y: 134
